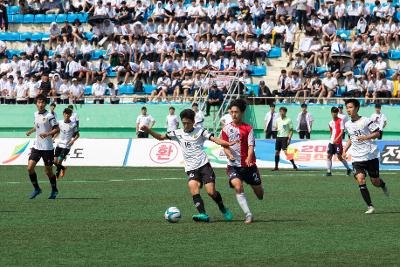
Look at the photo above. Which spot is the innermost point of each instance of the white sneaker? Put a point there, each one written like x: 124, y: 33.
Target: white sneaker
x: 370, y: 210
x: 248, y: 219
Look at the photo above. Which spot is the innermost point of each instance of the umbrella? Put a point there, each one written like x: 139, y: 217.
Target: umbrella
x: 93, y: 20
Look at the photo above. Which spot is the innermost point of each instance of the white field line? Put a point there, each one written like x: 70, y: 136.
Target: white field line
x: 177, y: 178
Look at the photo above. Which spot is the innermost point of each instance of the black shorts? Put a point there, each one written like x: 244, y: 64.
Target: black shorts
x: 289, y: 47
x: 370, y: 166
x: 143, y: 135
x: 46, y: 155
x: 335, y: 149
x: 204, y: 174
x: 304, y: 135
x: 61, y: 153
x: 281, y: 143
x: 250, y: 175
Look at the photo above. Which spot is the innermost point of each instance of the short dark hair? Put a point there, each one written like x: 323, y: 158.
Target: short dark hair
x: 334, y: 110
x: 272, y: 105
x: 304, y: 105
x: 67, y: 111
x: 195, y: 105
x: 283, y: 108
x: 239, y: 103
x: 188, y: 114
x: 172, y: 108
x: 71, y: 107
x: 53, y: 104
x: 355, y: 102
x: 41, y: 98
x: 378, y: 106
x: 144, y: 108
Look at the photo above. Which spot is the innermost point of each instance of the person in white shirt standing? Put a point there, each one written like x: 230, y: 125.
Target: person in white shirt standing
x: 199, y: 117
x: 172, y: 121
x: 270, y: 125
x: 304, y: 123
x: 144, y: 119
x: 379, y: 119
x: 364, y: 151
x: 45, y: 126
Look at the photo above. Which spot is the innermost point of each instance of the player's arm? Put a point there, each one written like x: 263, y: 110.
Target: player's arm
x: 55, y: 130
x: 290, y: 135
x: 250, y: 155
x: 157, y: 136
x: 339, y: 137
x: 228, y: 154
x: 221, y: 142
x: 32, y: 130
x: 371, y: 136
x: 75, y: 137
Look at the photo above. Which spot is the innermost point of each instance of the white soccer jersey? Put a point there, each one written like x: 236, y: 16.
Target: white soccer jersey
x: 44, y: 122
x: 362, y: 150
x: 172, y: 123
x: 68, y: 130
x: 379, y: 119
x: 192, y: 144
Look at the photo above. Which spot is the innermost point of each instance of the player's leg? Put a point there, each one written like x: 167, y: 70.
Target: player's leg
x: 373, y: 172
x: 208, y: 178
x: 329, y: 165
x: 237, y: 185
x: 58, y: 161
x: 194, y: 188
x: 48, y: 158
x: 33, y: 176
x: 253, y: 178
x: 342, y: 160
x: 359, y: 168
x: 278, y: 147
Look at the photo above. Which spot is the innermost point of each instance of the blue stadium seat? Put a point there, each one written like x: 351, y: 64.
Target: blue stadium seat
x: 24, y: 36
x: 257, y: 70
x: 88, y: 35
x: 341, y: 90
x: 40, y: 18
x: 61, y: 18
x: 83, y: 17
x: 3, y: 36
x: 51, y: 53
x: 12, y: 36
x: 394, y: 54
x: 111, y: 73
x: 45, y: 36
x: 88, y: 90
x: 28, y: 18
x: 49, y: 18
x: 12, y: 10
x: 37, y: 36
x: 345, y: 34
x: 11, y: 52
x: 126, y: 89
x: 389, y: 73
x: 18, y: 18
x: 251, y: 87
x: 148, y: 88
x: 72, y: 17
x: 97, y: 53
x: 321, y: 70
x: 275, y: 52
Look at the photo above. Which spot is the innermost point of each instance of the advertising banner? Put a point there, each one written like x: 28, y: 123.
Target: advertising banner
x: 153, y: 153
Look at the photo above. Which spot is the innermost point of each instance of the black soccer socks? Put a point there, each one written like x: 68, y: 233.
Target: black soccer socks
x: 218, y: 200
x: 34, y: 180
x: 198, y: 202
x: 365, y: 194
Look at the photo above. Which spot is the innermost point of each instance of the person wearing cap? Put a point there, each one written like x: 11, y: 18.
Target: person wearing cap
x: 270, y: 123
x: 350, y: 85
x: 215, y: 98
x: 304, y: 123
x: 8, y: 90
x: 379, y: 119
x: 77, y: 90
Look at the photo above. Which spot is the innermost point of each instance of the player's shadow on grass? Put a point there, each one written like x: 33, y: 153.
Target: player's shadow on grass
x: 386, y: 212
x: 79, y: 198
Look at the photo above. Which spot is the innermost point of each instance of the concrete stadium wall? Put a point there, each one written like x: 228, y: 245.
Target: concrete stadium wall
x: 118, y: 121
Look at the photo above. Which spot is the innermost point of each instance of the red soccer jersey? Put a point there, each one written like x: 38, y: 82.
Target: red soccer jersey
x: 335, y: 126
x: 244, y: 133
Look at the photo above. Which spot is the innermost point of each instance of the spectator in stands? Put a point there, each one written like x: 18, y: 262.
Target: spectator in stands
x: 21, y: 91
x: 71, y: 67
x: 51, y: 7
x: 66, y: 31
x: 352, y: 90
x: 329, y: 86
x: 65, y: 92
x: 270, y: 125
x: 33, y: 88
x: 384, y: 89
x: 98, y: 91
x: 8, y: 90
x: 3, y: 49
x: 3, y: 17
x: 45, y: 85
x: 304, y: 123
x: 380, y: 119
x: 215, y: 98
x: 56, y: 83
x: 163, y: 84
x: 77, y: 91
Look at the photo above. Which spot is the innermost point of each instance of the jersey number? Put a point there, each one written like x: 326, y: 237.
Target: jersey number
x: 357, y: 133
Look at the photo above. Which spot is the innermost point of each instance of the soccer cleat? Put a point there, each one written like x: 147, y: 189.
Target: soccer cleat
x: 385, y: 191
x: 248, y: 218
x: 35, y: 193
x: 201, y: 217
x: 275, y: 169
x: 53, y: 195
x: 348, y: 172
x: 328, y: 174
x: 295, y: 168
x: 370, y: 210
x: 227, y: 214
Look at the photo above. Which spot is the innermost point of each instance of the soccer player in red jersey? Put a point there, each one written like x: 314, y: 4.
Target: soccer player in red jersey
x: 241, y: 157
x: 335, y: 146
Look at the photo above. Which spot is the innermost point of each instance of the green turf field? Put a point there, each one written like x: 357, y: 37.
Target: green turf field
x: 114, y: 217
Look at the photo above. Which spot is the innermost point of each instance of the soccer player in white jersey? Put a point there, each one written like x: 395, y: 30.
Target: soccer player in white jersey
x: 45, y: 127
x: 364, y: 151
x: 335, y: 146
x: 242, y: 159
x: 172, y: 120
x: 197, y: 165
x: 69, y: 133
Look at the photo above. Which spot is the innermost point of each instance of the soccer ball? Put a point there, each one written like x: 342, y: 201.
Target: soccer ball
x: 172, y: 215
